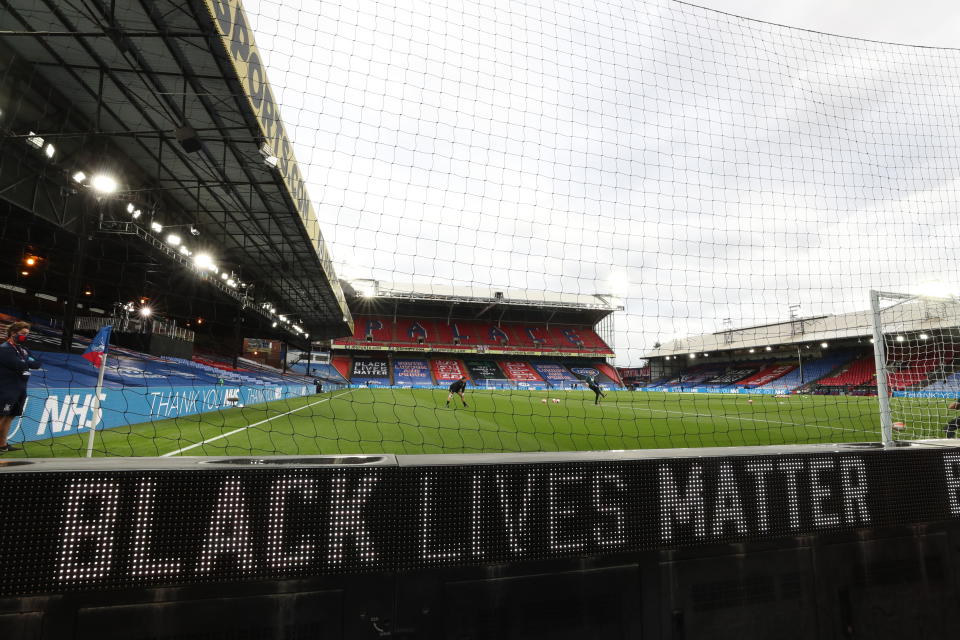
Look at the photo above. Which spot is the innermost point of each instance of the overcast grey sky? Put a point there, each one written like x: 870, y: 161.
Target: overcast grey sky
x: 932, y: 23
x: 720, y: 167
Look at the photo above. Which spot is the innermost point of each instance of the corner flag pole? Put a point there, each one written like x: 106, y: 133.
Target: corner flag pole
x: 96, y: 405
x: 97, y: 348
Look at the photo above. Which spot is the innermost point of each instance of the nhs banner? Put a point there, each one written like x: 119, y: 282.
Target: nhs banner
x: 50, y: 413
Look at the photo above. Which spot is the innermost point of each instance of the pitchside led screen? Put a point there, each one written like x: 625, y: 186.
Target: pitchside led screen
x: 80, y: 530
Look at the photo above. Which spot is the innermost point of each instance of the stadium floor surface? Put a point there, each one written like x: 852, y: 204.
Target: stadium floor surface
x: 417, y: 421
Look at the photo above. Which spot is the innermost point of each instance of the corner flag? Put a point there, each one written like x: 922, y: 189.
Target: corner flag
x: 98, y: 347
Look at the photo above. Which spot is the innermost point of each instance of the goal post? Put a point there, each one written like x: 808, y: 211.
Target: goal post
x: 916, y: 347
x: 880, y: 358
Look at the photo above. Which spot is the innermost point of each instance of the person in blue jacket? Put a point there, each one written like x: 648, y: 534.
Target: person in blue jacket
x: 15, y: 365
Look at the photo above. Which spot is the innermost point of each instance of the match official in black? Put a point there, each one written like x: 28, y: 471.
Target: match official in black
x: 458, y: 388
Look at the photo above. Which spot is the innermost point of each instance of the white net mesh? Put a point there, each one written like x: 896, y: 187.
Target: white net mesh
x: 921, y: 348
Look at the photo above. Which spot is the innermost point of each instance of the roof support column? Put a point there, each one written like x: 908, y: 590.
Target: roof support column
x: 76, y: 277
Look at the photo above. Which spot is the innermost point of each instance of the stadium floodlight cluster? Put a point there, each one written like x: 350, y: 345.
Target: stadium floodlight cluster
x: 525, y: 196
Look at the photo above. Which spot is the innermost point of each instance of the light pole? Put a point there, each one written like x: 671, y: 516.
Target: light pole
x: 800, y: 364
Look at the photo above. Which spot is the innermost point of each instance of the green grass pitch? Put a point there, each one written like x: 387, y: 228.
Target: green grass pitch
x: 417, y: 421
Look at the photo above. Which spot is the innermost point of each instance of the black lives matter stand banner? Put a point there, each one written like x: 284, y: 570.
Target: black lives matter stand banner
x: 70, y: 531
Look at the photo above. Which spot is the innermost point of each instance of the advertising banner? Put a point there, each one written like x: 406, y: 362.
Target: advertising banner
x: 371, y: 371
x: 409, y: 372
x: 49, y: 413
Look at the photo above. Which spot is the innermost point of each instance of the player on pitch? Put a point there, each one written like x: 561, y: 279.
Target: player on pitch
x: 951, y: 428
x: 458, y: 387
x: 592, y: 384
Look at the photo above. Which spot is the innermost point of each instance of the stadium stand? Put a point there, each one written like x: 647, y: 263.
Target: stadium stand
x: 812, y: 370
x: 523, y: 374
x: 595, y: 370
x: 410, y: 332
x: 487, y: 374
x: 343, y: 365
x: 446, y: 370
x: 370, y: 371
x: 695, y: 375
x: 859, y: 372
x: 321, y: 370
x: 950, y: 383
x: 732, y: 375
x: 914, y: 366
x: 768, y: 374
x: 555, y: 374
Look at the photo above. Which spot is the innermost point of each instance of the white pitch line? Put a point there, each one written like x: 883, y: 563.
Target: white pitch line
x: 256, y: 424
x: 734, y: 417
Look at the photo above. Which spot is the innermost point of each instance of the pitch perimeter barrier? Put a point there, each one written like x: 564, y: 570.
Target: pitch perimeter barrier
x: 49, y: 413
x: 738, y: 390
x: 758, y: 542
x: 927, y: 394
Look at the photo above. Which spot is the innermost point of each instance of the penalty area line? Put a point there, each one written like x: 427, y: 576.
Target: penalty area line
x: 249, y: 426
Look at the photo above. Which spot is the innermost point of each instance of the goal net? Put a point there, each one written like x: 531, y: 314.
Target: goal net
x: 917, y: 352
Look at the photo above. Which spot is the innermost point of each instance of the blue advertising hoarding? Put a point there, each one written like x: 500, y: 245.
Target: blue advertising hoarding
x: 52, y: 412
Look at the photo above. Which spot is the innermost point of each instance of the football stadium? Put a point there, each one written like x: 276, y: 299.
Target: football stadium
x: 503, y: 320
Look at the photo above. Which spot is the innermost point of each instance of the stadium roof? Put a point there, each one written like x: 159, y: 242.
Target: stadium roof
x: 917, y: 315
x: 476, y: 301
x: 170, y: 98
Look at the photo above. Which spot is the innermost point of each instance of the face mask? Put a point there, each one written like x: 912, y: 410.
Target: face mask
x: 21, y: 338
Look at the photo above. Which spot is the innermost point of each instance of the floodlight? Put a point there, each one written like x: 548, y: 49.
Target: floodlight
x: 50, y: 151
x: 268, y: 155
x: 282, y: 318
x: 753, y: 350
x: 194, y: 231
x: 924, y: 336
x: 145, y: 311
x: 872, y: 340
x: 79, y: 176
x: 692, y: 356
x: 224, y: 276
x: 30, y: 261
x: 900, y: 338
x: 769, y: 348
x: 137, y: 213
x: 274, y: 324
x: 306, y: 335
x: 232, y: 283
x: 173, y: 239
x: 824, y: 345
x: 156, y: 226
x: 184, y: 250
x: 34, y: 140
x: 130, y: 207
x: 103, y: 183
x: 203, y: 261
